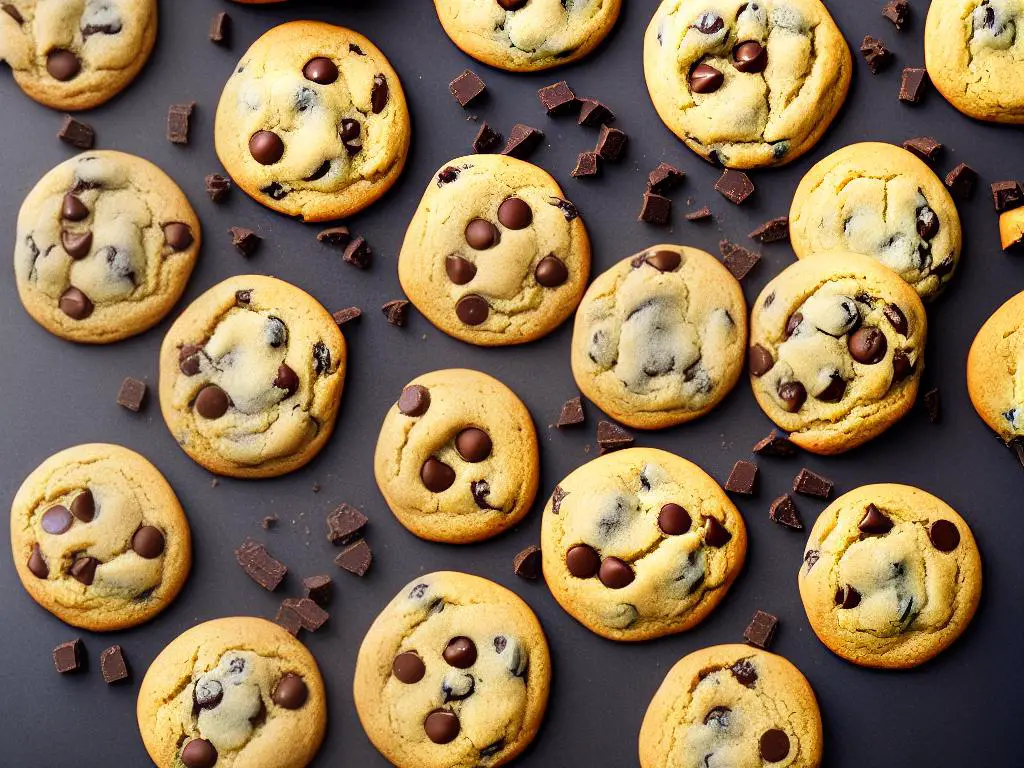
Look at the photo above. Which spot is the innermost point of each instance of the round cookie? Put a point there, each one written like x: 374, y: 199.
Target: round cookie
x: 746, y: 84
x: 313, y: 122
x: 233, y: 693
x: 99, y: 538
x: 659, y: 338
x: 640, y: 543
x: 882, y: 201
x: 76, y: 54
x: 837, y: 349
x: 527, y: 35
x: 105, y: 245
x: 974, y: 53
x: 495, y: 254
x: 251, y: 377
x: 732, y: 705
x: 457, y: 459
x: 995, y: 372
x: 454, y: 672
x: 891, y: 576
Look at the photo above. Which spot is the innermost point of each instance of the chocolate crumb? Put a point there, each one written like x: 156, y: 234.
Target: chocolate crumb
x: 933, y: 405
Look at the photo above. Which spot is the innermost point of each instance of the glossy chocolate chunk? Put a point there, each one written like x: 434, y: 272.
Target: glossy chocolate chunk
x: 442, y: 726
x: 73, y: 209
x: 750, y: 57
x: 75, y: 304
x: 895, y: 316
x: 527, y: 564
x: 379, y: 94
x: 459, y: 270
x: 673, y: 519
x: 793, y: 395
x: 665, y: 261
x: 761, y: 631
x: 62, y: 65
x: 287, y: 380
x: 37, y: 564
x: 715, y: 534
x: 615, y: 573
x: 705, y: 79
x: 742, y: 478
x: 199, y: 753
x: 874, y: 521
x: 84, y: 570
x: 320, y: 70
x: 76, y: 244
x: 83, y: 506
x: 178, y: 235
x: 481, y: 234
x: 460, y: 652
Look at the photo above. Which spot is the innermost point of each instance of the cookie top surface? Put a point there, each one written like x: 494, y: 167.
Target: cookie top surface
x: 660, y: 337
x: 974, y: 53
x: 746, y: 84
x: 105, y: 245
x: 454, y: 673
x: 495, y: 254
x: 99, y: 538
x: 251, y: 377
x: 640, y: 543
x: 732, y: 705
x: 995, y: 371
x: 527, y: 35
x: 457, y: 457
x: 836, y: 350
x: 313, y: 122
x: 882, y: 201
x: 76, y: 54
x: 891, y: 576
x: 233, y: 692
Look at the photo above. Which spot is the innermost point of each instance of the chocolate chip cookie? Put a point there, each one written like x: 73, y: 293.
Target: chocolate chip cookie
x: 879, y: 200
x: 640, y: 543
x: 891, y: 576
x: 660, y: 337
x: 313, y: 122
x: 732, y: 705
x: 974, y: 53
x: 251, y: 377
x: 99, y: 538
x: 105, y: 245
x: 454, y: 672
x: 495, y: 253
x: 746, y: 84
x: 837, y: 348
x: 527, y: 35
x: 233, y: 693
x: 995, y: 372
x: 76, y: 55
x: 457, y: 457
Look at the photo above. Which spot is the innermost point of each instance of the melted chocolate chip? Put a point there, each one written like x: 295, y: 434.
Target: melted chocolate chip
x: 84, y: 570
x: 481, y: 234
x: 408, y: 667
x: 874, y: 521
x: 287, y: 380
x: 460, y: 271
x: 793, y: 395
x: 199, y: 753
x: 73, y: 209
x: 673, y: 519
x: 320, y: 70
x: 744, y: 673
x: 760, y: 360
x: 551, y: 272
x: 615, y: 573
x: 62, y: 65
x: 460, y: 652
x: 442, y: 726
x: 774, y: 745
x: 474, y: 445
x: 379, y: 94
x: 750, y: 57
x: 705, y: 79
x: 83, y: 506
x: 847, y: 597
x: 56, y: 520
x: 212, y: 402
x: 715, y: 534
x: 75, y: 304
x: 867, y: 345
x: 895, y: 316
x: 178, y: 235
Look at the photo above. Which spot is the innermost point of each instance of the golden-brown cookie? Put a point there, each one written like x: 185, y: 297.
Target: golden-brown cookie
x: 995, y: 372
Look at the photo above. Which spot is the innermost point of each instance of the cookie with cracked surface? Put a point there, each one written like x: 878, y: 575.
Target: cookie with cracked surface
x: 99, y: 539
x: 836, y: 350
x: 640, y: 543
x: 891, y: 576
x: 76, y: 54
x: 732, y: 705
x: 454, y: 673
x: 879, y: 200
x: 251, y: 376
x: 660, y: 337
x: 495, y: 254
x: 456, y: 459
x: 995, y: 371
x: 974, y: 52
x: 527, y: 35
x: 105, y: 245
x: 313, y: 122
x: 230, y: 693
x: 746, y: 84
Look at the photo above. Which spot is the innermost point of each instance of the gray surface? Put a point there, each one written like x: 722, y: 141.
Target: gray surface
x: 961, y: 709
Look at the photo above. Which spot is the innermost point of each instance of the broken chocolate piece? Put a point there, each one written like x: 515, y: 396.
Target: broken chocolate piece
x: 527, y: 563
x: 1007, y: 195
x: 784, y: 512
x: 487, y: 140
x: 912, y: 84
x: 924, y: 147
x: 933, y: 405
x: 961, y: 181
x: 761, y: 630
x: 522, y: 141
x: 220, y: 29
x: 338, y: 237
x: 268, y: 522
x: 877, y: 56
x: 898, y: 12
x: 742, y: 478
x: 586, y: 165
x: 664, y: 178
x: 358, y: 253
x: 774, y: 445
x: 594, y: 113
x: 811, y: 484
x: 288, y: 619
x: 69, y: 656
x: 77, y: 134
x: 611, y: 143
x: 179, y: 122
x: 558, y: 98
x: 131, y: 394
x: 356, y: 558
x: 467, y: 87
x: 734, y: 186
x: 260, y: 566
x: 319, y: 589
x: 217, y: 187
x: 572, y: 413
x: 612, y: 437
x: 396, y: 311
x: 113, y: 666
x: 344, y: 524
x: 310, y: 615
x: 701, y: 214
x: 245, y: 240
x: 346, y: 315
x: 772, y: 231
x: 656, y: 209
x: 737, y: 259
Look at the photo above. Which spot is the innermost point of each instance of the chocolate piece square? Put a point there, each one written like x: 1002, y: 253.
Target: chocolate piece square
x: 522, y: 141
x: 319, y: 589
x: 912, y: 84
x: 245, y: 240
x: 586, y: 165
x: 356, y: 558
x: 701, y: 214
x: 655, y: 209
x: 742, y: 478
x: 346, y: 315
x: 68, y: 657
x: 961, y: 181
x: 558, y: 98
x: 179, y: 122
x: 217, y: 187
x: 1007, y: 195
x: 344, y: 524
x: 898, y: 12
x: 761, y: 630
x: 772, y: 231
x: 131, y: 394
x: 310, y: 615
x: 812, y: 484
x: 487, y: 140
x: 734, y: 186
x: 611, y: 143
x: 612, y: 437
x: 572, y: 413
x: 77, y: 134
x: 396, y: 311
x: 877, y: 56
x: 287, y: 617
x: 467, y: 87
x: 338, y: 237
x: 113, y: 666
x: 220, y: 29
x: 924, y: 147
x: 784, y: 512
x: 594, y: 113
x: 664, y: 178
x: 260, y: 566
x: 358, y: 253
x: 737, y: 259
x: 526, y: 564
x: 774, y: 445
x: 933, y: 405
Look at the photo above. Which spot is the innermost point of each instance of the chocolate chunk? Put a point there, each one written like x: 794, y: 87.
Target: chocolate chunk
x: 705, y: 79
x: 414, y: 400
x: 572, y: 413
x: 37, y: 564
x: 744, y: 672
x: 664, y: 178
x: 612, y: 437
x: 847, y: 597
x: 396, y: 311
x: 924, y: 147
x: 179, y: 122
x: 961, y: 181
x: 784, y: 512
x: 473, y: 444
x: 715, y: 534
x: 245, y: 240
x: 896, y: 318
x: 735, y: 186
x: 337, y: 237
x: 288, y: 620
x: 582, y: 561
x: 515, y: 213
x: 742, y: 478
x: 615, y: 573
x: 408, y: 668
x: 750, y: 57
x: 199, y: 753
x: 261, y: 567
x: 62, y: 65
x: 268, y: 522
x: 874, y: 521
x: 673, y: 519
x: 83, y: 506
x: 379, y: 94
x: 527, y: 564
x: 356, y: 558
x: 759, y: 360
x: 594, y: 113
x: 57, y: 520
x: 774, y: 745
x: 586, y: 165
x: 737, y: 259
x: 558, y: 98
x: 877, y: 56
x: 761, y: 630
x: 13, y: 12
x: 358, y: 253
x: 656, y: 209
x: 78, y: 134
x: 83, y: 570
x: 131, y: 394
x: 773, y: 231
x: 76, y: 244
x: 310, y: 615
x: 69, y: 656
x: 212, y: 402
x: 220, y: 29
x: 611, y: 143
x: 487, y: 140
x: 898, y: 12
x: 467, y: 87
x: 775, y: 445
x: 522, y: 141
x: 701, y: 214
x: 933, y: 405
x: 290, y: 692
x: 73, y: 209
x: 901, y: 366
x: 148, y: 542
x: 113, y: 666
x: 912, y: 84
x: 867, y: 345
x: 1007, y: 195
x: 442, y: 726
x: 811, y: 484
x: 346, y: 315
x: 345, y: 523
x: 217, y: 187
x: 944, y: 536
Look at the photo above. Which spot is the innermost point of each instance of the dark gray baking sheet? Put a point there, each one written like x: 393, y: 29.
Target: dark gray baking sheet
x: 962, y: 709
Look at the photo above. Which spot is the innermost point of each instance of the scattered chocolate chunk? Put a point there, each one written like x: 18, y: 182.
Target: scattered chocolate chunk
x: 261, y: 567
x: 288, y: 619
x: 877, y: 56
x: 594, y: 113
x: 772, y: 231
x: 522, y: 141
x: 558, y: 98
x: 912, y: 84
x: 774, y: 445
x: 761, y: 630
x: 811, y: 484
x: 347, y: 315
x: 1007, y: 195
x: 179, y: 122
x: 467, y: 87
x: 586, y: 165
x: 77, y: 134
x: 664, y: 178
x: 337, y: 237
x: 344, y: 524
x: 245, y: 240
x: 742, y: 478
x: 113, y: 665
x: 737, y: 259
x: 319, y: 589
x: 310, y: 615
x: 611, y: 143
x: 217, y: 187
x: 784, y: 512
x: 13, y: 12
x: 612, y: 437
x: 701, y: 214
x: 220, y: 29
x: 735, y: 186
x: 268, y: 522
x: 358, y: 253
x: 656, y: 209
x: 131, y: 394
x: 898, y: 12
x: 572, y: 413
x: 961, y: 181
x: 924, y: 147
x: 487, y: 140
x: 396, y: 311
x: 68, y: 657
x: 356, y: 558
x: 933, y: 405
x: 527, y: 563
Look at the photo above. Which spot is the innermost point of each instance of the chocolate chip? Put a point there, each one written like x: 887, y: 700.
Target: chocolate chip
x: 320, y: 70
x: 515, y: 213
x: 896, y: 318
x: 487, y: 140
x: 810, y: 484
x: 912, y: 84
x: 131, y: 394
x: 522, y: 141
x: 664, y: 178
x: 944, y: 536
x: 481, y: 489
x: 379, y: 94
x: 761, y: 630
x: 68, y: 657
x: 735, y: 186
x: 874, y: 521
x: 847, y: 597
x: 472, y: 309
x: 268, y: 522
x: 877, y: 56
x: 867, y: 345
x: 56, y: 520
x: 898, y: 12
x: 408, y: 668
x: 75, y: 304
x: 62, y: 65
x: 467, y: 87
x: 558, y: 98
x: 178, y: 235
x: 212, y: 402
x: 1007, y: 195
x: 551, y: 272
x: 737, y: 259
x: 673, y: 519
x: 656, y: 209
x: 664, y: 260
x: 760, y: 360
x: 310, y: 615
x: 615, y: 573
x: 901, y: 366
x: 346, y: 315
x: 582, y: 561
x: 37, y: 564
x: 772, y: 231
x: 594, y: 113
x: 473, y: 444
x: 442, y: 726
x: 199, y: 753
x: 73, y: 209
x: 13, y: 12
x: 834, y: 390
x: 148, y: 542
x: 587, y: 165
x: 611, y: 143
x: 260, y: 566
x: 701, y: 214
x: 76, y: 133
x: 290, y: 692
x: 179, y: 123
x: 76, y: 244
x: 84, y: 570
x: 924, y: 147
x: 113, y: 666
x: 775, y: 445
x: 793, y: 395
x: 784, y: 512
x: 744, y: 672
x: 245, y: 240
x: 356, y: 558
x: 220, y: 29
x: 460, y: 653
x: 742, y: 478
x: 266, y: 147
x: 83, y: 506
x: 527, y: 564
x: 319, y: 589
x: 436, y: 475
x: 481, y: 234
x: 558, y: 496
x: 750, y: 57
x: 774, y: 745
x: 572, y: 413
x: 961, y: 181
x: 705, y: 79
x: 933, y: 405
x: 351, y: 135
x: 715, y: 534
x: 612, y: 437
